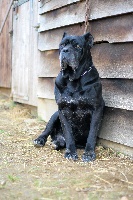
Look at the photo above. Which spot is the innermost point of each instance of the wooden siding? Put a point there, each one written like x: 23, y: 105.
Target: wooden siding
x: 5, y: 45
x: 111, y: 60
x: 49, y: 64
x: 113, y: 30
x: 117, y: 126
x: 46, y: 6
x: 111, y: 25
x: 117, y: 93
x: 75, y: 13
x: 61, y: 17
x: 46, y: 107
x: 114, y: 60
x: 98, y: 8
x: 25, y: 54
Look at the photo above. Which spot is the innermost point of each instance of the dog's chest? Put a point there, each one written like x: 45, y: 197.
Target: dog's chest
x: 72, y: 88
x: 74, y: 100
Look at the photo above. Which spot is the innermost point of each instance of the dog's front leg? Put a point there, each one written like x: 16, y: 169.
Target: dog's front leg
x: 41, y: 140
x: 89, y: 154
x: 71, y: 152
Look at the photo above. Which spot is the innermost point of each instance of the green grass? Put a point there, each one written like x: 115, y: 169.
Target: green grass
x: 12, y: 105
x: 12, y: 178
x: 2, y: 131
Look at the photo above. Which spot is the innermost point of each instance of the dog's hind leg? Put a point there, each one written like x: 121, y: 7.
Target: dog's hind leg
x: 50, y: 128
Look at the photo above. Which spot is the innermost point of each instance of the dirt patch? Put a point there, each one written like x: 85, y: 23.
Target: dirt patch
x: 29, y: 173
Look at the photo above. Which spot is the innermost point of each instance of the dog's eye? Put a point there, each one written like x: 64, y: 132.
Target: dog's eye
x: 77, y: 46
x: 62, y: 46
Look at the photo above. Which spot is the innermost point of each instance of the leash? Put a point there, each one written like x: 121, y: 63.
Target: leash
x: 87, y: 15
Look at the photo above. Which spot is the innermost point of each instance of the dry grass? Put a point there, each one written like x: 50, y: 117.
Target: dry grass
x: 33, y: 173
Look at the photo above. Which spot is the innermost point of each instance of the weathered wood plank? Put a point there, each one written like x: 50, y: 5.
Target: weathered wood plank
x: 71, y: 14
x: 117, y: 126
x: 114, y: 60
x: 26, y: 60
x: 117, y: 93
x: 50, y: 39
x: 5, y: 46
x: 49, y: 64
x: 46, y: 5
x: 46, y: 108
x: 111, y: 60
x: 46, y: 88
x: 20, y: 61
x: 98, y: 8
x: 75, y: 13
x: 103, y: 8
x: 114, y: 29
x: 117, y: 147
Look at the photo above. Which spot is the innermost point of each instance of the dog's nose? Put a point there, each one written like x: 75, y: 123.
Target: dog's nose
x: 65, y: 50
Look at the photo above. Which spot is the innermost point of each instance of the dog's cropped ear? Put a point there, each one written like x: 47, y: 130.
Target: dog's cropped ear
x: 89, y: 39
x: 64, y: 35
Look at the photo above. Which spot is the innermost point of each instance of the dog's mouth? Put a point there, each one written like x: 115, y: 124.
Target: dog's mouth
x: 68, y: 67
x: 68, y: 71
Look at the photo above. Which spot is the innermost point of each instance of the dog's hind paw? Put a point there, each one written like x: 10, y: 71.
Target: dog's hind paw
x: 69, y: 155
x: 39, y: 142
x: 89, y: 156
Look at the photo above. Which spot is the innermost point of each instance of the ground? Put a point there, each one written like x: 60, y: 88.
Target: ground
x: 29, y: 173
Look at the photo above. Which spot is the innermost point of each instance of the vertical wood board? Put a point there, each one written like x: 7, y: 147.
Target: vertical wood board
x: 25, y: 61
x: 5, y: 45
x: 20, y: 71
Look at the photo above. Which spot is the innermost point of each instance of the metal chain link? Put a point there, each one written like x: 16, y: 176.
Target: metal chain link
x: 87, y: 14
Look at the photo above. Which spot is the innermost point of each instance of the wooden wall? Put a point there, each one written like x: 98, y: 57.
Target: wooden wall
x: 111, y: 24
x: 25, y: 54
x: 5, y: 45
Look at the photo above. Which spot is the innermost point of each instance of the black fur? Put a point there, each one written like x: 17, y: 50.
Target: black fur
x: 78, y: 94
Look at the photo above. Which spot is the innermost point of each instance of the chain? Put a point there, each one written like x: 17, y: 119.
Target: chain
x: 87, y: 6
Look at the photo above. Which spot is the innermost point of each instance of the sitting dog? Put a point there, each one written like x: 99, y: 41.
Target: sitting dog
x: 78, y: 94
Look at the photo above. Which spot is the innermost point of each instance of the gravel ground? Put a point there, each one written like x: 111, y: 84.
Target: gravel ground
x: 29, y: 173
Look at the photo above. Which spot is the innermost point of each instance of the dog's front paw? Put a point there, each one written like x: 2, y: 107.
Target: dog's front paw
x: 89, y: 156
x: 70, y: 155
x: 39, y: 142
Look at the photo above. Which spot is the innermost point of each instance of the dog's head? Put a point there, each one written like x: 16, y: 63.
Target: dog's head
x: 74, y: 51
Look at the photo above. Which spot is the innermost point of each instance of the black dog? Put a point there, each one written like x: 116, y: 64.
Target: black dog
x: 78, y: 93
